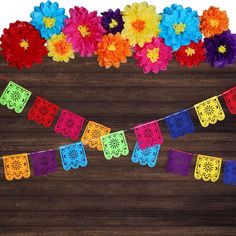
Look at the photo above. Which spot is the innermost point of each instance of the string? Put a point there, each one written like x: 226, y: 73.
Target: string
x: 141, y: 125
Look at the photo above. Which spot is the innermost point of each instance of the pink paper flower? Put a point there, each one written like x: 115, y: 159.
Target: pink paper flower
x: 153, y: 56
x: 84, y: 30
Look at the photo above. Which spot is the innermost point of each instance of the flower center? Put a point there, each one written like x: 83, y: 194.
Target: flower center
x: 138, y: 25
x: 153, y: 54
x: 179, y: 28
x: 189, y: 51
x: 113, y: 24
x: 24, y: 44
x: 214, y: 23
x: 84, y: 30
x: 222, y: 49
x: 111, y: 47
x: 61, y: 47
x: 49, y: 22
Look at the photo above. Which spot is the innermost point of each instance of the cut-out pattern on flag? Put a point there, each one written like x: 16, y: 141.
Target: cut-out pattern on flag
x: 209, y: 111
x: 44, y: 163
x: 146, y: 156
x: 69, y: 124
x: 208, y: 168
x: 179, y: 162
x: 92, y: 134
x: 73, y: 156
x: 148, y: 135
x: 114, y: 145
x: 16, y: 166
x: 180, y: 124
x: 230, y: 100
x: 15, y: 97
x: 43, y: 112
x: 230, y: 172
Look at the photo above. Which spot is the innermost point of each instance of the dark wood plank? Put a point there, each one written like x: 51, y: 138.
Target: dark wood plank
x: 117, y: 197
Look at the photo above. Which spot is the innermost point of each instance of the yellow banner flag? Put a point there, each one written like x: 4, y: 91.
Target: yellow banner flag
x: 209, y: 111
x: 208, y: 168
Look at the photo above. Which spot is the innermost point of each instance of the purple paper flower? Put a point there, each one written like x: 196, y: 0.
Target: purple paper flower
x: 112, y: 21
x: 221, y: 49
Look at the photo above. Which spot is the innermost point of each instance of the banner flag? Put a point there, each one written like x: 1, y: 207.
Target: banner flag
x: 16, y: 166
x: 92, y: 134
x: 43, y: 112
x: 114, y: 145
x: 15, y: 97
x: 180, y: 124
x: 73, y: 156
x: 207, y: 168
x: 229, y: 176
x: 209, y: 111
x: 69, y: 124
x: 230, y: 100
x: 44, y: 163
x: 146, y: 156
x: 179, y: 162
x: 148, y: 135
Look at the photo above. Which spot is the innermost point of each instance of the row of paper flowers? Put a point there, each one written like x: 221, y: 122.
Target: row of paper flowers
x: 153, y: 38
x: 73, y: 156
x: 149, y: 136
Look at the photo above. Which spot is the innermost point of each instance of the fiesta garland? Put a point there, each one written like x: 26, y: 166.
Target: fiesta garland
x: 114, y: 144
x: 153, y: 39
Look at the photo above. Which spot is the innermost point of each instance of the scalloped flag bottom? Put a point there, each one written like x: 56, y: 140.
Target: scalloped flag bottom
x: 148, y: 135
x: 73, y: 156
x: 15, y: 97
x: 92, y: 134
x: 16, y: 166
x: 180, y: 124
x: 208, y: 168
x: 179, y: 162
x: 69, y: 124
x: 44, y: 163
x: 230, y: 172
x: 43, y: 112
x: 209, y: 111
x: 114, y: 145
x: 230, y: 100
x: 145, y: 157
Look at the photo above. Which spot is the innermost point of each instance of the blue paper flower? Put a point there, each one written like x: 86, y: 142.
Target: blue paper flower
x: 48, y: 18
x: 179, y: 26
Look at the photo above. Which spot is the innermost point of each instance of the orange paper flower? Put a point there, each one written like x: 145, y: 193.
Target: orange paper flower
x: 113, y: 50
x: 213, y: 21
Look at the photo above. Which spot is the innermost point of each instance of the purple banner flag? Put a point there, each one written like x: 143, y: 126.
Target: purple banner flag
x: 179, y: 162
x: 44, y: 162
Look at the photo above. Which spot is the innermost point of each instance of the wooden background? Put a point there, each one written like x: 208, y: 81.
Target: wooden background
x: 117, y: 197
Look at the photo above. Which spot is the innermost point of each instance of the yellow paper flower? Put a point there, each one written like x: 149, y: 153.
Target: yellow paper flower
x: 59, y: 49
x: 141, y: 23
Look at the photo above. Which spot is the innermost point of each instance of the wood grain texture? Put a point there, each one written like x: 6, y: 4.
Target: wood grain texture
x: 117, y: 197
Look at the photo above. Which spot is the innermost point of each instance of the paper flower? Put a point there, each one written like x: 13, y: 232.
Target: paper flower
x: 112, y: 21
x: 48, y: 18
x: 213, y: 21
x: 59, y: 49
x: 221, y: 49
x: 141, y: 23
x: 191, y: 55
x: 22, y: 45
x: 113, y: 50
x: 84, y: 30
x: 179, y: 26
x: 153, y: 56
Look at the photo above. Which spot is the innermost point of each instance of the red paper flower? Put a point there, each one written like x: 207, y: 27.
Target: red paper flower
x: 191, y: 55
x: 22, y: 45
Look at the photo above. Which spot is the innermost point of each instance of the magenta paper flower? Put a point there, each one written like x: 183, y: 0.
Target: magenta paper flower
x: 84, y: 30
x: 153, y: 56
